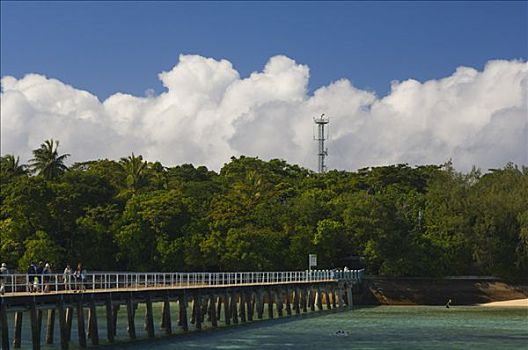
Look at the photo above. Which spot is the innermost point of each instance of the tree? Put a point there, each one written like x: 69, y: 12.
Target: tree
x: 331, y: 243
x: 135, y: 171
x: 41, y: 248
x: 152, y: 233
x: 448, y: 221
x: 499, y: 205
x: 47, y: 161
x: 11, y: 167
x: 96, y: 231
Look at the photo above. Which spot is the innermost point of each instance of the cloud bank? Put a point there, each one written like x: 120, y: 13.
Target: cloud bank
x: 209, y: 113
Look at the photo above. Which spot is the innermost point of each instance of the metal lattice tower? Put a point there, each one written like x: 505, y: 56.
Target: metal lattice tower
x: 320, y: 136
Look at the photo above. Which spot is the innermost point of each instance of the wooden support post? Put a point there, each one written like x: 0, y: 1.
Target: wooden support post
x: 193, y: 311
x: 115, y: 311
x: 242, y: 307
x: 297, y: 301
x: 149, y: 317
x: 327, y: 298
x: 92, y: 324
x: 349, y: 300
x: 198, y: 312
x: 62, y: 324
x: 131, y: 321
x: 249, y: 301
x: 163, y: 316
x: 260, y: 304
x: 227, y: 310
x: 233, y: 307
x: 166, y: 316
x: 18, y: 330
x: 319, y: 299
x: 311, y: 299
x: 212, y: 312
x: 334, y: 304
x: 35, y: 329
x: 183, y: 313
x: 89, y: 330
x: 80, y: 325
x: 219, y: 308
x: 5, y: 326
x: 69, y: 318
x: 279, y: 302
x: 109, y: 320
x: 288, y: 302
x: 39, y: 314
x: 50, y: 326
x: 270, y: 304
x: 304, y: 300
x: 340, y: 299
x: 204, y: 303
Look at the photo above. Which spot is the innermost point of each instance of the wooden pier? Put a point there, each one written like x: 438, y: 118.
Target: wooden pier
x: 201, y: 299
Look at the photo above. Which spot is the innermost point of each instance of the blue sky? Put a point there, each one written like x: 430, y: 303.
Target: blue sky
x: 119, y: 46
x: 362, y: 58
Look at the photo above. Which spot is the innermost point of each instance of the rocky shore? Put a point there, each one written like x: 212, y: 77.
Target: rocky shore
x: 437, y: 291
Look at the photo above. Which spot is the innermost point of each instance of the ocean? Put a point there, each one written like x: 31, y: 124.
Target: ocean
x: 379, y: 327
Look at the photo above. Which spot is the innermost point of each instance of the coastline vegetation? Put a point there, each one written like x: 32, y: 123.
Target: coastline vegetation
x: 134, y: 215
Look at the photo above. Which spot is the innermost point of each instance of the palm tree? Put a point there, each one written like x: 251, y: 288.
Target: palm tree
x: 47, y: 161
x: 135, y: 170
x: 11, y: 166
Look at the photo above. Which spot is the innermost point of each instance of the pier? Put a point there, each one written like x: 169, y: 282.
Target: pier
x: 200, y: 298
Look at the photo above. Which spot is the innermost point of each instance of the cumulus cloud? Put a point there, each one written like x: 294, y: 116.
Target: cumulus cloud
x: 209, y: 113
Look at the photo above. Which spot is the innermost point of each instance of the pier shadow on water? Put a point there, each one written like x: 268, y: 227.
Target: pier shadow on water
x: 374, y: 327
x: 382, y: 327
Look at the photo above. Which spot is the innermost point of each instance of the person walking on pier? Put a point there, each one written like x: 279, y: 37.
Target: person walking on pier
x: 66, y: 277
x: 3, y: 273
x: 32, y: 279
x: 79, y: 277
x: 45, y: 276
x: 40, y: 269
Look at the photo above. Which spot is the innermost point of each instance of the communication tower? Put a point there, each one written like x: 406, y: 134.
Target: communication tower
x: 320, y: 135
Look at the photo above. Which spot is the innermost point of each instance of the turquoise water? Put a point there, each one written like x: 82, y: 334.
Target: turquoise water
x: 382, y: 327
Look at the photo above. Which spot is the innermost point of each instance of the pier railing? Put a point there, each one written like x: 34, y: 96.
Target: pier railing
x: 101, y: 281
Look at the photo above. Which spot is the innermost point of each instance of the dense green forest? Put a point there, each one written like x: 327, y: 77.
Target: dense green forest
x: 255, y: 215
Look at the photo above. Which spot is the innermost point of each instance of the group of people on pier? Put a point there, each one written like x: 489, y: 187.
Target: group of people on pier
x: 39, y: 278
x: 74, y: 279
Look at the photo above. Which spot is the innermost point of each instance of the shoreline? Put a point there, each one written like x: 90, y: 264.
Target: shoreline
x: 437, y: 291
x: 507, y: 303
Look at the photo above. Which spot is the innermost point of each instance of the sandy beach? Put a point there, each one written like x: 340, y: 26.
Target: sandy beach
x: 508, y: 303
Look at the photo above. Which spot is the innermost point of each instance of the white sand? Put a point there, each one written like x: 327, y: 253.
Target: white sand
x: 516, y: 303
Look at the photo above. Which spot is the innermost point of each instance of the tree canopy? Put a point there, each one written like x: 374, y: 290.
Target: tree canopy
x: 131, y: 214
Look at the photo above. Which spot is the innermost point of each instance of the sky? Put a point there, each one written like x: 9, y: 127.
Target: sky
x: 179, y: 82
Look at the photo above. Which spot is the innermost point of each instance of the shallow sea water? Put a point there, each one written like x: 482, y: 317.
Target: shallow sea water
x: 381, y: 327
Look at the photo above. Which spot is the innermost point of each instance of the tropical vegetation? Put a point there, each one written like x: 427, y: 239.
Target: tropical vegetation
x: 134, y: 215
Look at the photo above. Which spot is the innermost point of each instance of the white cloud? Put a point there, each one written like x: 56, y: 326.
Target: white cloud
x: 209, y: 113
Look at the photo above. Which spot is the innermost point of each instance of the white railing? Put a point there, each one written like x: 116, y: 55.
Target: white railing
x: 100, y: 281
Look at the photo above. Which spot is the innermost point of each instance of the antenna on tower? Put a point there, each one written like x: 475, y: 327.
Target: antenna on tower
x: 320, y: 137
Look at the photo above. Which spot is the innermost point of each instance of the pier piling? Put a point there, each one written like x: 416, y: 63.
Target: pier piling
x: 5, y: 327
x: 35, y: 328
x: 50, y: 330
x: 61, y: 311
x: 93, y: 329
x: 130, y: 316
x: 18, y: 330
x: 80, y: 325
x: 149, y: 317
